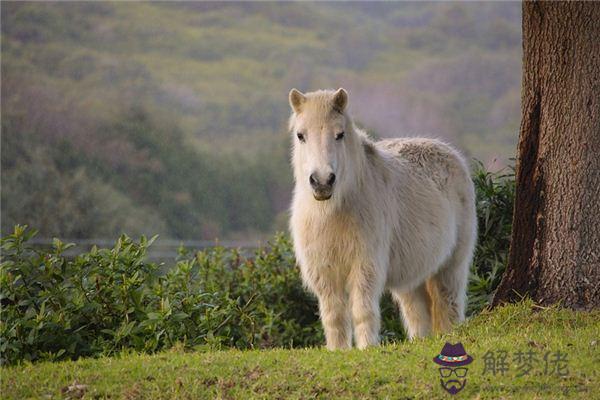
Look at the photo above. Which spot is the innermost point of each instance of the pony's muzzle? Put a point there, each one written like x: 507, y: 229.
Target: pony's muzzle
x: 322, y: 190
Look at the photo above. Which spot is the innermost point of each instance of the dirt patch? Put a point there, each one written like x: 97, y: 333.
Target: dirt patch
x: 74, y: 391
x: 134, y: 392
x: 254, y: 373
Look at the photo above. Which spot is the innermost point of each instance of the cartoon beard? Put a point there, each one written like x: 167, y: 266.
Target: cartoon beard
x: 453, y: 386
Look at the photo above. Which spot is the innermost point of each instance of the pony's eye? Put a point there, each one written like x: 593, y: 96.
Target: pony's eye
x: 301, y: 137
x: 339, y: 136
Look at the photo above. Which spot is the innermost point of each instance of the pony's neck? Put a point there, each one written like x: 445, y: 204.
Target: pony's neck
x: 362, y: 173
x: 363, y: 163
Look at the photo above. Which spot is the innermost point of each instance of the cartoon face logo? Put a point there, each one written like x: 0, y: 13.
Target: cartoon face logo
x: 453, y: 373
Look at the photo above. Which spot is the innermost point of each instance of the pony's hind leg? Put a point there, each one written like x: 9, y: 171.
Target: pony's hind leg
x: 448, y: 286
x: 447, y: 289
x: 415, y: 307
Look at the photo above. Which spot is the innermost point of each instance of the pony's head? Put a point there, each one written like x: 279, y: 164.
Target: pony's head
x: 324, y: 143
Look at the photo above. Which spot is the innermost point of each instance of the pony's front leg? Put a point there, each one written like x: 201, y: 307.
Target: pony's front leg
x: 335, y: 319
x: 366, y: 288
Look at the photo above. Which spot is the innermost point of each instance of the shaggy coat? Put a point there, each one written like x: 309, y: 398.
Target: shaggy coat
x: 397, y: 215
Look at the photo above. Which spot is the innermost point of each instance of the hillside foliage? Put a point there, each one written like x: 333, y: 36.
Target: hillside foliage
x: 170, y: 118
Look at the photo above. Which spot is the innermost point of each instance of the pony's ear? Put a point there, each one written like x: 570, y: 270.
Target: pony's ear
x: 340, y: 100
x: 297, y: 99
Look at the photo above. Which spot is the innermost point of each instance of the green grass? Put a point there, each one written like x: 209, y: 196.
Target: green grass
x: 397, y: 371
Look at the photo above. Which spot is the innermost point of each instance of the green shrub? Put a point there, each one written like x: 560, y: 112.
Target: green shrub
x: 107, y: 300
x: 495, y: 194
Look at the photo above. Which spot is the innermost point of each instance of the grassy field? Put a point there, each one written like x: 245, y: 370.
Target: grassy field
x: 397, y: 371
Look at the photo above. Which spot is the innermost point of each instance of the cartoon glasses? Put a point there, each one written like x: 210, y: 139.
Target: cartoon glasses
x: 459, y: 372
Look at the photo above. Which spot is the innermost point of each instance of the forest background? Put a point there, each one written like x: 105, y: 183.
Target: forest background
x: 170, y: 119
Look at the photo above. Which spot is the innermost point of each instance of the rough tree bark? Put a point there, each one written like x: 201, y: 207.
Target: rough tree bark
x: 555, y: 249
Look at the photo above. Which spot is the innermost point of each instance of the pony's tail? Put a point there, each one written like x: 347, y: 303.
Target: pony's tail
x: 443, y: 311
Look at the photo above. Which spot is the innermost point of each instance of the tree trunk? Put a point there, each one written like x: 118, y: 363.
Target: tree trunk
x: 555, y: 248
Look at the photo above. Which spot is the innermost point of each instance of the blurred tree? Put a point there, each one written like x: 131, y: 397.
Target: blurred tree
x: 554, y: 255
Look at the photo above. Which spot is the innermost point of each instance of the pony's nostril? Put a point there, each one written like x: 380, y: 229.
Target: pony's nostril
x: 331, y: 179
x: 321, y: 185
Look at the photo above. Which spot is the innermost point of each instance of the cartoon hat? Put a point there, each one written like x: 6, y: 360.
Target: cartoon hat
x: 453, y: 355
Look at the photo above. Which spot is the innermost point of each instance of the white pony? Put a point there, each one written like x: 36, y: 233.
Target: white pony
x: 397, y: 215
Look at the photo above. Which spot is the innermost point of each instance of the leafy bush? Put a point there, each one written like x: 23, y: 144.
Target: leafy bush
x: 107, y: 300
x: 110, y: 299
x: 495, y: 194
